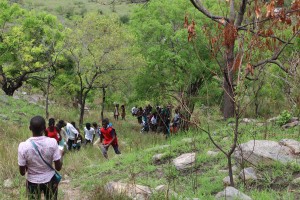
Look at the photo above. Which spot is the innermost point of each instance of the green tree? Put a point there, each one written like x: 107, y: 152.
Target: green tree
x: 251, y: 35
x: 175, y: 68
x: 27, y: 41
x: 101, y: 50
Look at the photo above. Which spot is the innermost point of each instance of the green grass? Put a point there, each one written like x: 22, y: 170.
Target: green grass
x: 89, y: 171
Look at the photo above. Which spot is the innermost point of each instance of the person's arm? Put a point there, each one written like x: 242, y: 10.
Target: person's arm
x: 58, y: 164
x: 22, y: 170
x: 58, y: 158
x: 94, y: 133
x: 101, y: 137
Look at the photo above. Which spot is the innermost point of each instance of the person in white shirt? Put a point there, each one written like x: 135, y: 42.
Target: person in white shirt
x: 40, y: 177
x: 71, y: 132
x: 89, y: 133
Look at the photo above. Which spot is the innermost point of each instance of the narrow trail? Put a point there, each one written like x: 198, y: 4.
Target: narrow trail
x: 70, y: 193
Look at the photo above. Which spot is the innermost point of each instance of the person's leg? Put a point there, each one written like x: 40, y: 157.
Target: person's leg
x: 51, y: 189
x: 116, y: 148
x: 104, y: 151
x: 70, y: 143
x: 33, y: 191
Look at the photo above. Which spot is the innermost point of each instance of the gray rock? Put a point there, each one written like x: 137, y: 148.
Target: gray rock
x: 4, y: 117
x: 212, y: 153
x: 226, y: 180
x: 273, y: 119
x: 187, y: 140
x: 290, y: 125
x: 296, y: 181
x: 133, y: 191
x: 230, y: 193
x: 292, y: 144
x: 8, y: 183
x: 248, y: 120
x: 249, y: 174
x: 158, y: 157
x: 264, y: 152
x: 185, y: 161
x: 164, y: 189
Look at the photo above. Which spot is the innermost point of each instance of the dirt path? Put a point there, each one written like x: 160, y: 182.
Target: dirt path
x: 70, y: 193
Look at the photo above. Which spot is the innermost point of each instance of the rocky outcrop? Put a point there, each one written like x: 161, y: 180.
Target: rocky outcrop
x: 138, y: 192
x: 230, y: 193
x: 264, y: 152
x: 185, y: 161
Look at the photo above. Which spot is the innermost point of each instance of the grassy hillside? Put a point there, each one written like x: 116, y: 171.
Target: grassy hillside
x: 68, y: 8
x: 86, y: 172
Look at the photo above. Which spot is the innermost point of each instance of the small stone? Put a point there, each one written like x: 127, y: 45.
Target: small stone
x: 4, y: 117
x: 158, y: 157
x: 230, y: 193
x: 212, y: 153
x: 248, y: 173
x: 296, y: 181
x: 65, y: 182
x: 8, y: 183
x: 185, y: 161
x: 187, y: 140
x: 226, y: 180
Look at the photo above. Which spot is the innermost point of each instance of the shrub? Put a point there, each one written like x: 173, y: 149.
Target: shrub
x: 283, y: 118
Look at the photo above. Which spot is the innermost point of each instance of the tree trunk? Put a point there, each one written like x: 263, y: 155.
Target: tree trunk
x: 47, y: 97
x: 103, y: 102
x: 82, y: 105
x: 228, y: 109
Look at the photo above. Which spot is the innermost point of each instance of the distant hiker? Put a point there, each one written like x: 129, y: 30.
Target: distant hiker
x: 97, y: 133
x: 153, y: 122
x: 123, y: 113
x: 108, y: 137
x: 116, y: 112
x: 134, y: 110
x: 176, y: 122
x: 78, y: 143
x: 166, y: 115
x: 52, y: 131
x: 139, y: 115
x: 34, y: 157
x: 89, y: 133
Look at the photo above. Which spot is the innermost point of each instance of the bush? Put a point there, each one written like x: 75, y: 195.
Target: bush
x: 284, y: 118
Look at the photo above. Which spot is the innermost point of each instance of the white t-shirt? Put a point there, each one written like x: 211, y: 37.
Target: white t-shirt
x: 153, y: 120
x: 37, y: 170
x: 89, y: 134
x: 71, y: 131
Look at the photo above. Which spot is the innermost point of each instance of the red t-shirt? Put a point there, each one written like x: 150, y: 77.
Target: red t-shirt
x: 108, y: 135
x: 53, y: 133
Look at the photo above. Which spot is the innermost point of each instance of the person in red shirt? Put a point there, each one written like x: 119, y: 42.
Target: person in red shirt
x: 108, y: 137
x: 52, y: 131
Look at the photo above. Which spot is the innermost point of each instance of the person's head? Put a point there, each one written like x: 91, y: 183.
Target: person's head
x: 37, y: 125
x: 62, y: 123
x: 74, y: 124
x: 105, y: 122
x: 51, y: 122
x: 95, y: 125
x: 88, y: 126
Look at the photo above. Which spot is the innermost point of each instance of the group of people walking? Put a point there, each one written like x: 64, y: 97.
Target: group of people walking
x: 158, y: 119
x: 37, y: 154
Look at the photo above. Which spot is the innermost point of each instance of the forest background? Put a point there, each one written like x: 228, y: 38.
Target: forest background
x: 90, y: 55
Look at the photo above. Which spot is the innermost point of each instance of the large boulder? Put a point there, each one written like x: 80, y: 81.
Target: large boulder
x: 264, y: 152
x: 230, y: 193
x: 138, y: 192
x: 185, y: 161
x: 292, y: 144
